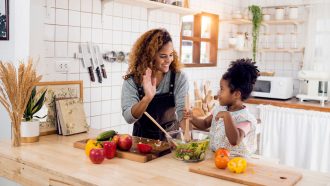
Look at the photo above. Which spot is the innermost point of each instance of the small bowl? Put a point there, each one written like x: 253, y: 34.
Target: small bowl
x: 192, y: 151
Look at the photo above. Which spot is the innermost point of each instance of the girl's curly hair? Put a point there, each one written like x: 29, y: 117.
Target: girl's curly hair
x: 143, y: 53
x: 242, y: 76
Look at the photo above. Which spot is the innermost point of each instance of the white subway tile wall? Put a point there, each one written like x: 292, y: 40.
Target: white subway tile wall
x: 73, y: 21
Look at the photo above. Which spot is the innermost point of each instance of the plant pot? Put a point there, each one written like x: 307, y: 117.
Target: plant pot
x: 30, y: 131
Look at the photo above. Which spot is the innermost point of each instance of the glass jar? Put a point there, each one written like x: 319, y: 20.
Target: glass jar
x: 265, y: 40
x: 293, y: 12
x: 279, y: 13
x: 279, y: 40
x: 294, y: 40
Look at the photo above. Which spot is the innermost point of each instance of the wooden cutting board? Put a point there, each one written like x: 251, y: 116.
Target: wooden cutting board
x: 160, y: 148
x: 256, y: 174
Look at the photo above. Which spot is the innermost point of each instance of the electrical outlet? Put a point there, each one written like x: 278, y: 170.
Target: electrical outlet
x: 62, y: 66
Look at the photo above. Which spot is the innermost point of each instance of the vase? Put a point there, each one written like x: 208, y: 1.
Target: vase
x: 30, y: 131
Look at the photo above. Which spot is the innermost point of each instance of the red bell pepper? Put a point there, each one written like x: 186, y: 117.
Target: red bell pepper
x: 109, y: 149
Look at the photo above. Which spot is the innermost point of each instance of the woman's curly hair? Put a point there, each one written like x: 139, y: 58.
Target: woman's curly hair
x: 242, y: 76
x: 143, y: 53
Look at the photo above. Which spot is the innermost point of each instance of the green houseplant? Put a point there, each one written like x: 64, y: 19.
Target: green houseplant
x: 34, y: 105
x: 30, y: 126
x: 256, y: 23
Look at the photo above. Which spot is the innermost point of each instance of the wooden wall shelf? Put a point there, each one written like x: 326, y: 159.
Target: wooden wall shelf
x: 265, y: 23
x: 152, y: 5
x: 288, y: 50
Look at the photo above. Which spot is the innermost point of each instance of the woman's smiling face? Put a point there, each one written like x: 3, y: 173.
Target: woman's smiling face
x: 164, y: 58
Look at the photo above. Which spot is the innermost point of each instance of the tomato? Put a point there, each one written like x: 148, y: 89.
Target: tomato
x: 96, y: 155
x: 109, y: 148
x: 144, y: 148
x: 221, y: 161
x: 222, y: 151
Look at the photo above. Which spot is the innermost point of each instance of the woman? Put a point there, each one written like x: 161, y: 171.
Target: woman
x: 155, y: 84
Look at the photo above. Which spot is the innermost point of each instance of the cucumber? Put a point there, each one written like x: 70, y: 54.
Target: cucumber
x: 106, y: 135
x: 186, y: 157
x: 202, y: 156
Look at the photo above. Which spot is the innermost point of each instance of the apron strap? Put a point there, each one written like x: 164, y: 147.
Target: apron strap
x: 172, y: 83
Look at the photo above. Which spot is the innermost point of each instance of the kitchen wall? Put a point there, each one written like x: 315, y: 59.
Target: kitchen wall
x: 66, y: 23
x: 14, y: 49
x: 283, y: 64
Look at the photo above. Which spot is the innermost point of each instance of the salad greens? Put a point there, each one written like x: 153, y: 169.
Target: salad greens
x: 192, y: 151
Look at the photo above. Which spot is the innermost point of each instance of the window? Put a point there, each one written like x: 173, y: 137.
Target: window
x: 199, y: 40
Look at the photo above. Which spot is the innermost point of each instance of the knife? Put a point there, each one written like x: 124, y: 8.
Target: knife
x: 95, y: 62
x: 100, y: 60
x: 86, y: 59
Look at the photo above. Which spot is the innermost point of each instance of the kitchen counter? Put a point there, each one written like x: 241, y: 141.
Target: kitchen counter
x: 291, y: 103
x: 54, y: 161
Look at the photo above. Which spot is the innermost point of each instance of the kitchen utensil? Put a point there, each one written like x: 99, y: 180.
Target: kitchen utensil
x: 95, y: 62
x: 120, y: 57
x: 192, y: 151
x: 177, y: 3
x: 110, y: 56
x: 187, y: 135
x: 186, y: 3
x: 255, y: 174
x: 197, y: 92
x: 158, y: 125
x: 100, y: 60
x: 266, y: 73
x: 86, y: 59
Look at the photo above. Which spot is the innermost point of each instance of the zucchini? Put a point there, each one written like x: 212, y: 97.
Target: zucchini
x: 106, y: 135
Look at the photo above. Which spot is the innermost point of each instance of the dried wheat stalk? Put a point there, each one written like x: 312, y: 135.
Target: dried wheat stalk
x: 15, y: 91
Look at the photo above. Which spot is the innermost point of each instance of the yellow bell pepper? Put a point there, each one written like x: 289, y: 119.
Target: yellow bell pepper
x: 90, y: 145
x: 237, y: 165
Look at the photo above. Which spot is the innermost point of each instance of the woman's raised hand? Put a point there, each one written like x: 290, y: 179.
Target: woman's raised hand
x: 149, y: 85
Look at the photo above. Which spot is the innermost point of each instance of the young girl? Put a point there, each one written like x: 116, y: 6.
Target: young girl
x: 232, y: 126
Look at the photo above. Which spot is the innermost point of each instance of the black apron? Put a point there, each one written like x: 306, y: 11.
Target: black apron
x: 162, y: 109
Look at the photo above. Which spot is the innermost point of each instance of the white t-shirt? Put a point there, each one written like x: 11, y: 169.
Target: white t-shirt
x: 218, y: 136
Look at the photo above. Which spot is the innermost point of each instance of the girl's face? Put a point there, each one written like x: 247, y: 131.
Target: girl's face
x: 225, y: 96
x: 164, y: 58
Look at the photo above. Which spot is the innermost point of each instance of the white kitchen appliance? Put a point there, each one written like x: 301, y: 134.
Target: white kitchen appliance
x: 274, y: 87
x: 314, y: 86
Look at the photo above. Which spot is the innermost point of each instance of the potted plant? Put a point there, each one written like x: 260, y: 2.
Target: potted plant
x: 16, y: 85
x: 29, y: 125
x: 256, y: 23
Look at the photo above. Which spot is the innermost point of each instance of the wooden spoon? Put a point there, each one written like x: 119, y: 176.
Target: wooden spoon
x: 187, y: 135
x: 160, y: 127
